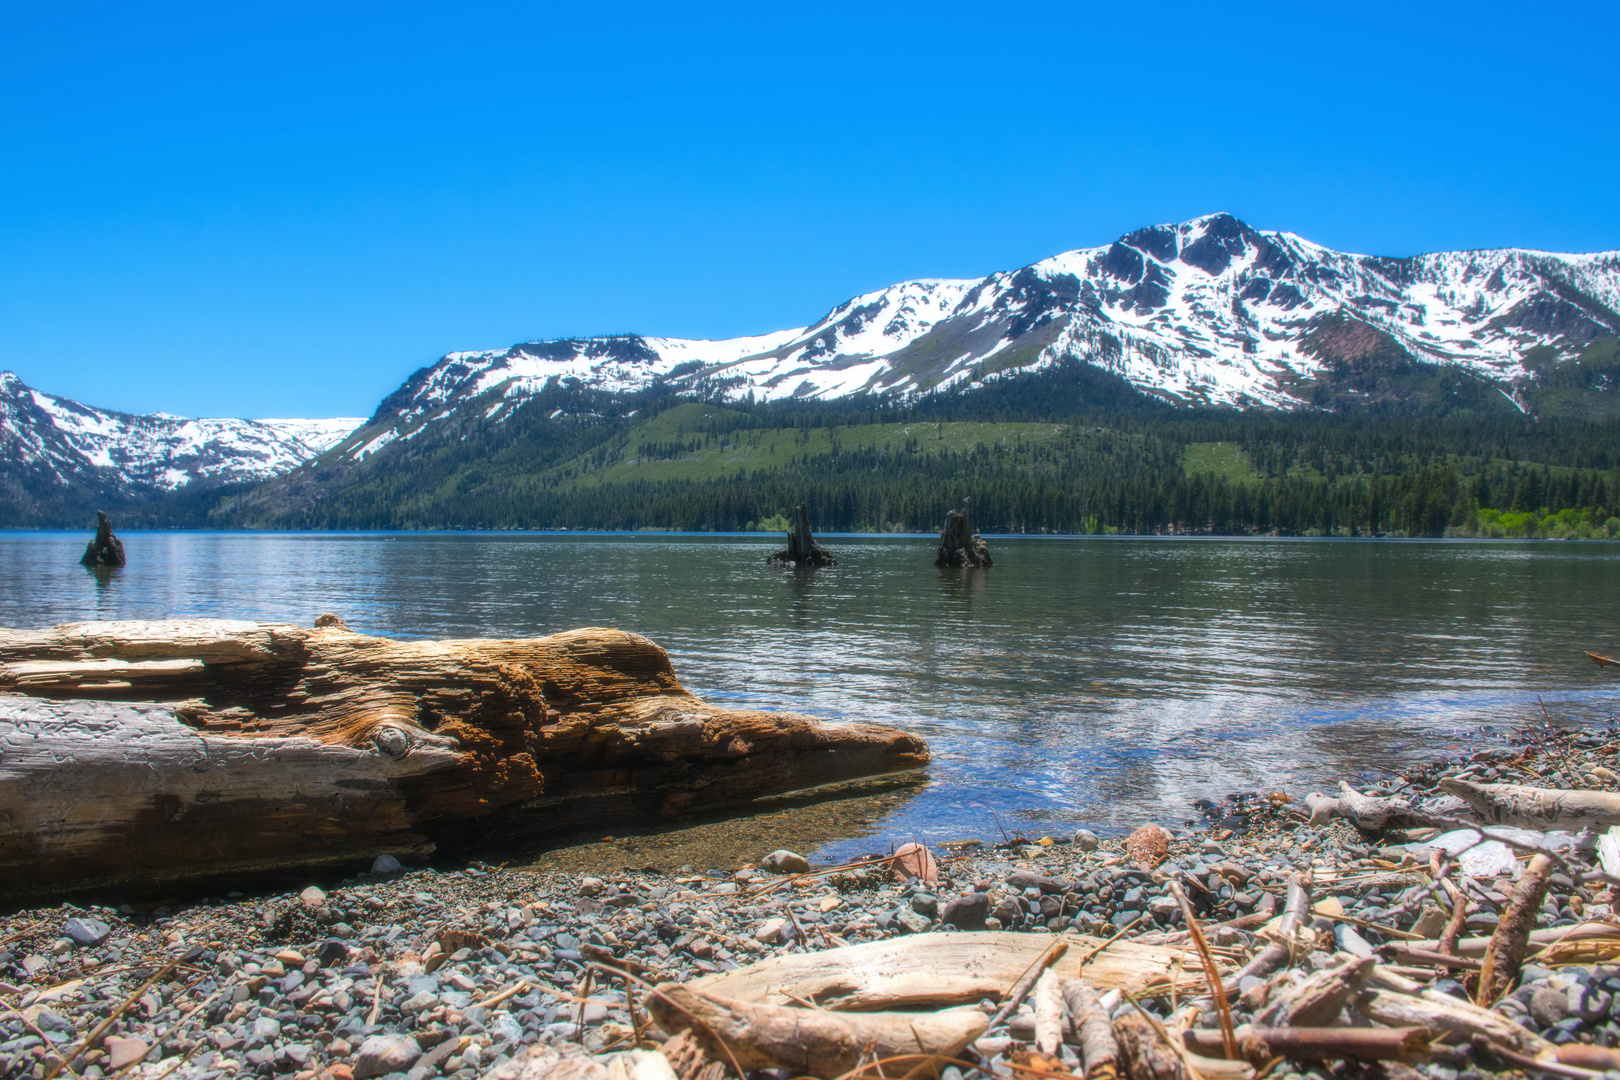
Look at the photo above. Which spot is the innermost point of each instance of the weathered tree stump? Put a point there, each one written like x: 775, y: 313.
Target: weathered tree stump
x: 155, y: 753
x: 802, y: 549
x: 106, y: 550
x: 959, y: 545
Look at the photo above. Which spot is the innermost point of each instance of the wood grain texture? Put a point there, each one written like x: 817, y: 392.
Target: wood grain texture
x: 936, y: 969
x: 190, y: 749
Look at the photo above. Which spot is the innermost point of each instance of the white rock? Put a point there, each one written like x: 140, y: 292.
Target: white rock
x: 771, y: 931
x: 383, y: 1054
x: 313, y: 896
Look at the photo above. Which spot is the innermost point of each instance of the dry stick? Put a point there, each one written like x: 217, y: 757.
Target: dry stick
x: 43, y: 1040
x: 1454, y: 925
x: 1048, y: 1012
x: 178, y: 1026
x: 1504, y: 956
x: 1407, y: 1044
x: 112, y: 1017
x: 1026, y: 982
x: 1098, y: 949
x: 376, y: 1001
x: 511, y: 991
x: 1098, y: 1050
x: 1273, y: 956
x: 1528, y: 1063
x: 1212, y: 975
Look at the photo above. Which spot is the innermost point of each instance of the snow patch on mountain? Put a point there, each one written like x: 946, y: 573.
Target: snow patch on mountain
x: 1208, y: 311
x: 156, y: 452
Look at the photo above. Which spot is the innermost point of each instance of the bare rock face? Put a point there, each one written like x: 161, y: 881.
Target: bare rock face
x: 106, y: 550
x: 958, y: 544
x: 802, y: 549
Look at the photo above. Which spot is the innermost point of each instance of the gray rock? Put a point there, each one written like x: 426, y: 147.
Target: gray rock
x: 1085, y: 840
x: 785, y: 862
x: 417, y: 1002
x: 386, y: 866
x: 1347, y: 940
x: 383, y: 1054
x: 1590, y: 1003
x: 925, y: 904
x: 913, y: 922
x: 1548, y: 1006
x: 967, y: 912
x: 87, y: 932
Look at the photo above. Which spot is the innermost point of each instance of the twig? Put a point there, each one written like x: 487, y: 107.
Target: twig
x: 1528, y: 1063
x: 1026, y: 982
x: 1212, y: 975
x: 112, y: 1017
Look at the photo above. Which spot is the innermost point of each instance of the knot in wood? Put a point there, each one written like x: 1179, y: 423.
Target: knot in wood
x: 392, y: 741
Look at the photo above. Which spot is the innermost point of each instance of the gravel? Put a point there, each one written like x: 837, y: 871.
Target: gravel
x: 419, y: 973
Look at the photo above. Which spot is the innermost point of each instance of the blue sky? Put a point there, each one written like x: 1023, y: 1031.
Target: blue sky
x: 284, y: 209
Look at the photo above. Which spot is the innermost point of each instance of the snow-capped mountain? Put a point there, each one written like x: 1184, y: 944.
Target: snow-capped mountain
x: 118, y: 452
x: 1210, y: 311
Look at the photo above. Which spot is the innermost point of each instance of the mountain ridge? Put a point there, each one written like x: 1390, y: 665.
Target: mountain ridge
x: 1204, y: 312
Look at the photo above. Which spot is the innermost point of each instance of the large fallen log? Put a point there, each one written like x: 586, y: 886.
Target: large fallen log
x: 937, y: 969
x: 160, y: 752
x: 1534, y: 807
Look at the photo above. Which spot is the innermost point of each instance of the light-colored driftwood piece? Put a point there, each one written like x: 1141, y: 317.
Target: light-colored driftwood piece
x: 160, y: 752
x: 1099, y: 1053
x: 936, y: 969
x: 1534, y: 807
x: 810, y: 1041
x: 1395, y: 1001
x: 1260, y: 1045
x: 1504, y: 957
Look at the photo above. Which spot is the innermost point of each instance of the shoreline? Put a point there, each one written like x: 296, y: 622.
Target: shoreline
x: 294, y: 983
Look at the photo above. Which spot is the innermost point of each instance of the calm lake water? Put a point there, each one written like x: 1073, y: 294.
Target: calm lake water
x: 1094, y: 681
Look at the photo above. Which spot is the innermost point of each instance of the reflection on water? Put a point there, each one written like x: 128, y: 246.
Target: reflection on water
x: 1098, y: 681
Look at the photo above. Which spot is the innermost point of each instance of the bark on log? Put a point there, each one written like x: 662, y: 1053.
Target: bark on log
x: 802, y: 549
x: 105, y: 551
x: 153, y: 753
x: 1504, y: 957
x: 1536, y: 808
x: 810, y: 1041
x: 959, y: 545
x: 1099, y: 1053
x: 931, y: 970
x: 1317, y: 1000
x: 1260, y: 1044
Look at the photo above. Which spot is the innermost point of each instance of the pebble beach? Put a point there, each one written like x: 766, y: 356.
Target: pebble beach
x: 415, y: 973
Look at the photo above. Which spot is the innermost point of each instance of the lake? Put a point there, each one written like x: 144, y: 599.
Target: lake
x: 1096, y: 681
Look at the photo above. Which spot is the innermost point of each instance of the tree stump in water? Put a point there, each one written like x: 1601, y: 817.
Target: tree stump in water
x: 158, y: 753
x: 802, y: 549
x: 106, y: 550
x: 958, y: 544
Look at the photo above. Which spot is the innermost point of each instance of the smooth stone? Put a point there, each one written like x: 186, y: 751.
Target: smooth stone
x: 385, y: 866
x: 967, y: 912
x: 1085, y: 840
x: 1347, y: 940
x: 122, y: 1052
x: 383, y: 1054
x: 87, y: 932
x: 1548, y: 1006
x: 925, y: 904
x: 771, y: 931
x: 783, y: 861
x: 913, y: 922
x: 312, y: 897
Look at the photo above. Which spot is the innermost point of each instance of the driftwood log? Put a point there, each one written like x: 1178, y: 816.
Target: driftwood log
x: 948, y: 968
x: 1534, y: 807
x: 959, y: 545
x: 151, y: 753
x: 105, y: 551
x: 802, y: 549
x: 810, y: 1041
